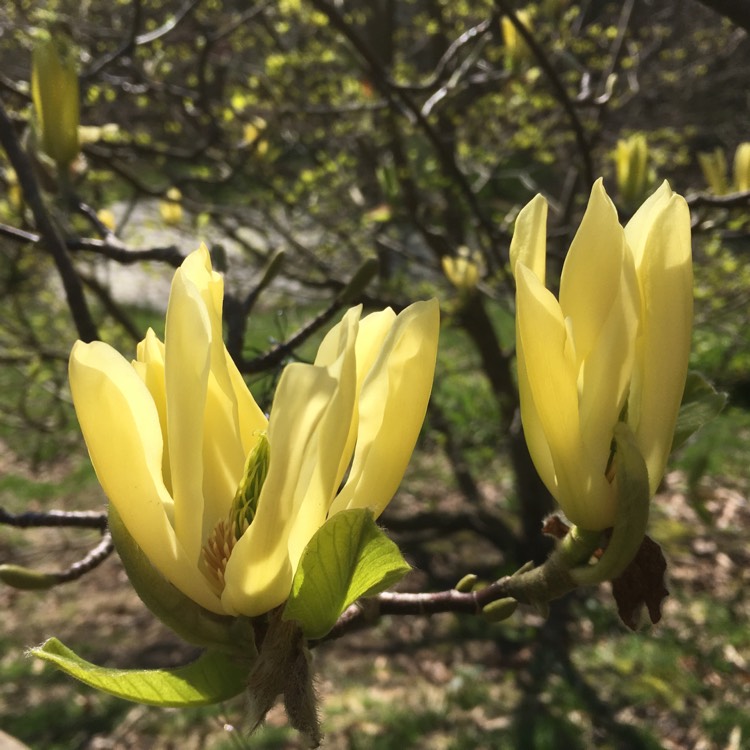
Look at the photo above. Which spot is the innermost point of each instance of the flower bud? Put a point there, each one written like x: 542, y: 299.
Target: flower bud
x: 714, y: 167
x: 742, y: 167
x: 631, y: 167
x: 54, y: 89
x: 613, y: 347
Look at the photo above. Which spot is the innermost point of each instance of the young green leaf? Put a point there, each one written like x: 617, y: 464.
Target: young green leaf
x: 212, y: 678
x: 349, y: 557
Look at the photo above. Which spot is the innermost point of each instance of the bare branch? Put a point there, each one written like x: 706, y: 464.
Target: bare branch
x: 732, y: 200
x: 93, y: 559
x: 74, y: 519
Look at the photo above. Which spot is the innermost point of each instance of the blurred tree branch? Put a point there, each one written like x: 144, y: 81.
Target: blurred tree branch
x: 51, y: 236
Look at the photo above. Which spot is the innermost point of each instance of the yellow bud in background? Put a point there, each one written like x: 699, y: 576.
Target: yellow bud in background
x: 517, y: 51
x: 107, y: 218
x: 96, y: 133
x: 15, y: 194
x: 742, y: 167
x: 54, y: 89
x: 714, y: 167
x: 631, y: 168
x: 462, y: 270
x: 251, y: 136
x: 170, y: 209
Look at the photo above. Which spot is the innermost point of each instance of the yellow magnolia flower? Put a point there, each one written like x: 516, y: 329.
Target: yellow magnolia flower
x: 613, y: 347
x: 221, y: 499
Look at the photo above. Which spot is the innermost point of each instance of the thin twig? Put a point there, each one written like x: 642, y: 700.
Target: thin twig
x: 280, y: 352
x: 559, y: 88
x: 402, y: 102
x: 93, y: 559
x: 732, y: 200
x: 111, y: 248
x: 74, y: 519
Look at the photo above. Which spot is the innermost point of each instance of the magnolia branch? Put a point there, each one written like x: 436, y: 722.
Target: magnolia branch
x: 111, y: 248
x: 536, y: 586
x: 732, y: 200
x: 51, y: 236
x: 529, y: 585
x: 73, y: 519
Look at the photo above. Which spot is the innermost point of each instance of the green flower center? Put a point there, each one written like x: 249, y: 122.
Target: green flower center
x: 220, y: 543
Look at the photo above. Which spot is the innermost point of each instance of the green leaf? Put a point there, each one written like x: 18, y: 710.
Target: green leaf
x: 212, y: 678
x: 349, y: 557
x: 178, y: 612
x: 701, y: 402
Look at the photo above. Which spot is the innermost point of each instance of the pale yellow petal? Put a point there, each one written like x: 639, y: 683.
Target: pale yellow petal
x: 330, y: 349
x: 533, y: 429
x: 224, y: 448
x: 639, y: 226
x: 373, y: 330
x: 336, y: 339
x: 551, y: 372
x: 150, y: 367
x: 666, y: 278
x: 121, y: 427
x: 250, y: 416
x: 307, y: 431
x: 529, y: 243
x: 187, y: 361
x: 324, y: 464
x: 392, y: 408
x: 590, y: 278
x: 605, y: 379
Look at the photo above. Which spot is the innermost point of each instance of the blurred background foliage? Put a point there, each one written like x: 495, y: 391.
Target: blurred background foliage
x: 299, y: 138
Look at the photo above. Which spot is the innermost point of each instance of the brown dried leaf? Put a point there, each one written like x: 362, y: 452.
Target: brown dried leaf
x: 642, y: 582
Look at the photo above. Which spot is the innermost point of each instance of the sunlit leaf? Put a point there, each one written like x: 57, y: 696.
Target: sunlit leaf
x: 348, y: 558
x: 212, y: 678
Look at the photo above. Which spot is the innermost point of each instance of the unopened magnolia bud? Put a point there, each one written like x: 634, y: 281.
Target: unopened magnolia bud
x: 714, y: 167
x: 631, y: 167
x: 26, y: 579
x: 54, y: 89
x: 500, y: 610
x: 742, y: 167
x: 170, y: 209
x: 466, y: 584
x: 463, y: 269
x: 517, y: 51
